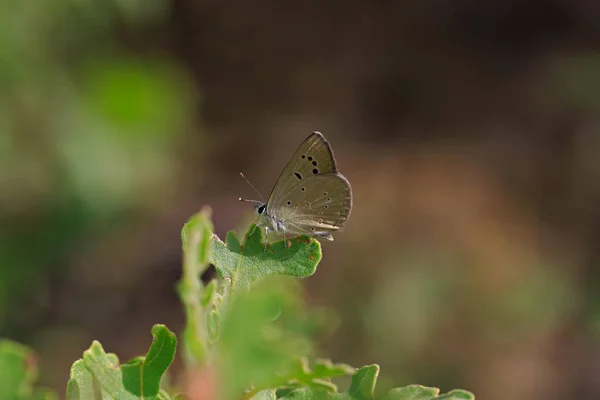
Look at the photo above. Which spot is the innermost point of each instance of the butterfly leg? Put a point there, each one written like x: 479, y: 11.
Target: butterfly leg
x: 266, y: 237
x: 285, y: 242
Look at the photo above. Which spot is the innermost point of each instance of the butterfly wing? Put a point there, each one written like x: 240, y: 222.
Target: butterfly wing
x: 313, y: 157
x: 316, y: 206
x: 310, y: 196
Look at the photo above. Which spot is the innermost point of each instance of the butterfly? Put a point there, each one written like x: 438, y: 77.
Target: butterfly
x: 310, y: 196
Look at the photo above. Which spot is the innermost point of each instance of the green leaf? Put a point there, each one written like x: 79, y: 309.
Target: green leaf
x: 196, y: 239
x: 196, y: 235
x: 142, y: 377
x: 261, y: 334
x: 363, y: 382
x: 457, y: 394
x: 18, y: 372
x: 363, y: 385
x: 418, y: 392
x: 209, y: 292
x: 212, y: 325
x: 327, y: 369
x: 243, y: 264
x: 80, y: 385
x: 412, y: 392
x: 301, y: 375
x: 264, y: 395
x: 315, y: 394
x: 106, y: 374
x: 99, y: 377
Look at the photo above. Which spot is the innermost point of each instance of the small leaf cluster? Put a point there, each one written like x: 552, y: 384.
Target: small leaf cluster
x: 99, y: 376
x: 248, y: 335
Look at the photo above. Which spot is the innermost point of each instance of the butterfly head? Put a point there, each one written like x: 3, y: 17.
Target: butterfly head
x: 263, y: 219
x: 260, y: 208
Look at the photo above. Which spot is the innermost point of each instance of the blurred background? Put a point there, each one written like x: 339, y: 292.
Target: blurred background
x: 469, y: 131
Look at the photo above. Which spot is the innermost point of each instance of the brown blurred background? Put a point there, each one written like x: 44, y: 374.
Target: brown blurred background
x: 469, y: 131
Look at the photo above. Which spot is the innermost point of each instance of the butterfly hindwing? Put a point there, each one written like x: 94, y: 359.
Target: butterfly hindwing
x: 321, y: 203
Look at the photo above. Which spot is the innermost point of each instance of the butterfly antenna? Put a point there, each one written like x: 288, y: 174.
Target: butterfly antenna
x: 252, y: 186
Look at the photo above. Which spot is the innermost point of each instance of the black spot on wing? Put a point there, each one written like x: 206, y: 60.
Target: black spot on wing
x: 298, y: 175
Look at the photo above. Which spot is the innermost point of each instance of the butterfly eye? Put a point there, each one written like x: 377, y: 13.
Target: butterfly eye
x: 261, y: 209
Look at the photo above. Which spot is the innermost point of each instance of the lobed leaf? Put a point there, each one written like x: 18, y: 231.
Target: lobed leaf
x: 106, y: 374
x: 81, y: 383
x: 98, y: 375
x: 363, y: 382
x: 243, y: 264
x: 196, y: 240
x: 363, y: 385
x: 142, y: 377
x: 319, y: 377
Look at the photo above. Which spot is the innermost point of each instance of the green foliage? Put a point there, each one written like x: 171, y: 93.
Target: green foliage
x: 418, y: 392
x: 363, y: 385
x: 99, y: 376
x: 18, y: 372
x: 250, y: 326
x: 246, y: 263
x: 196, y: 239
x: 257, y: 348
x: 319, y: 376
x: 142, y: 376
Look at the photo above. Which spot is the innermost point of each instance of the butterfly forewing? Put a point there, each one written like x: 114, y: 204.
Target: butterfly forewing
x: 313, y: 157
